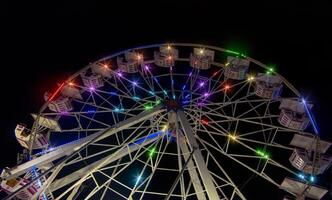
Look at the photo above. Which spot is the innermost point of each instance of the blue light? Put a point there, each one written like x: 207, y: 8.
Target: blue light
x: 118, y: 110
x: 155, y: 79
x: 135, y: 83
x: 311, y: 117
x: 165, y: 92
x: 174, y: 97
x: 113, y: 93
x: 91, y: 111
x: 151, y: 136
x: 151, y: 92
x: 138, y: 179
x: 312, y: 179
x: 184, y: 87
x: 301, y: 176
x: 187, y: 96
x: 136, y: 98
x: 172, y: 82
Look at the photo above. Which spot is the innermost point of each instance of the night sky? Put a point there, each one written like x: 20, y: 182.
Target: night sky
x: 43, y: 43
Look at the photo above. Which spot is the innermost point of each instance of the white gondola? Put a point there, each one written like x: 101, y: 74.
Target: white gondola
x: 130, y: 62
x: 71, y: 91
x: 101, y: 69
x: 92, y: 80
x: 300, y: 188
x: 46, y: 122
x: 23, y: 135
x: 236, y: 68
x: 11, y: 185
x: 166, y: 56
x: 268, y: 86
x: 293, y: 114
x: 61, y: 104
x: 201, y: 58
x: 302, y: 157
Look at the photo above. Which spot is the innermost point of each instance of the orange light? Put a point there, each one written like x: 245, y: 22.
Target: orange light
x: 169, y: 57
x: 105, y: 66
x: 227, y: 87
x: 139, y: 57
x: 71, y: 83
x: 169, y: 47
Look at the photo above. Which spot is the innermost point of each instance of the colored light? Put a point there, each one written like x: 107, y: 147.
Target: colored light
x: 71, y: 83
x: 233, y: 52
x: 206, y: 94
x: 64, y: 113
x: 187, y: 96
x: 152, y: 152
x: 139, y: 57
x: 184, y: 87
x: 158, y: 102
x: 169, y: 47
x: 201, y: 84
x: 146, y: 67
x: 227, y: 64
x: 138, y: 179
x: 164, y: 129
x: 205, y: 121
x: 262, y: 154
x: 148, y: 106
x: 136, y: 98
x: 56, y: 92
x: 215, y: 73
x: 201, y: 51
x: 200, y: 104
x: 165, y: 92
x: 250, y: 78
x: 169, y: 57
x: 312, y: 179
x: 311, y: 117
x: 119, y: 74
x: 135, y: 83
x: 301, y: 176
x: 191, y: 73
x: 91, y: 111
x: 174, y: 97
x: 105, y: 66
x: 91, y: 88
x: 227, y: 87
x: 232, y: 136
x: 152, y: 93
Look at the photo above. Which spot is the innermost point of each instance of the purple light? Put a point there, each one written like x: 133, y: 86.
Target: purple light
x: 146, y: 67
x: 201, y: 84
x: 200, y: 104
x: 191, y: 73
x: 134, y: 83
x: 91, y: 88
x: 119, y: 74
x: 206, y: 94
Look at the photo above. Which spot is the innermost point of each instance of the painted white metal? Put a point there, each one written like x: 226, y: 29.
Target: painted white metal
x: 198, y: 157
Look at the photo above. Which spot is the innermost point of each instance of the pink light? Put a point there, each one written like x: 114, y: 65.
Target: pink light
x: 146, y: 67
x: 200, y: 104
x: 227, y: 87
x: 201, y: 84
x: 206, y: 94
x: 119, y: 74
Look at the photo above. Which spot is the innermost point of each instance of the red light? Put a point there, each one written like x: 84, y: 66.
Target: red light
x: 56, y: 92
x: 71, y: 83
x: 204, y: 121
x: 215, y: 73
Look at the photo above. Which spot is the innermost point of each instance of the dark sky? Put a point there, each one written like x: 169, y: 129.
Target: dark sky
x: 43, y: 43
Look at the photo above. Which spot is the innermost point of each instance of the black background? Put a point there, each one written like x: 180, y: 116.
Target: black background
x: 43, y: 43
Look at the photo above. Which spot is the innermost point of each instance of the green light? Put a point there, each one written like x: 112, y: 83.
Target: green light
x: 152, y: 152
x: 148, y: 106
x: 262, y: 154
x: 158, y: 102
x: 232, y: 52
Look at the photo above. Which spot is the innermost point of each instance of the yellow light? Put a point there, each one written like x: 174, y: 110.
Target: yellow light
x: 201, y: 51
x: 250, y: 78
x: 164, y: 128
x: 227, y: 64
x: 233, y: 137
x: 169, y: 47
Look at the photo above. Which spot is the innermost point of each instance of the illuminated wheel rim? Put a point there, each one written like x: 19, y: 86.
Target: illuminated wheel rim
x: 235, y: 131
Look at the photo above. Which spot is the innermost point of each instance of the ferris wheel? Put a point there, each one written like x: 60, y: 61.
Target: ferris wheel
x: 170, y: 121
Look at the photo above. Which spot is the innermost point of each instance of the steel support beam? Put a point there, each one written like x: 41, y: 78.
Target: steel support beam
x: 198, y: 157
